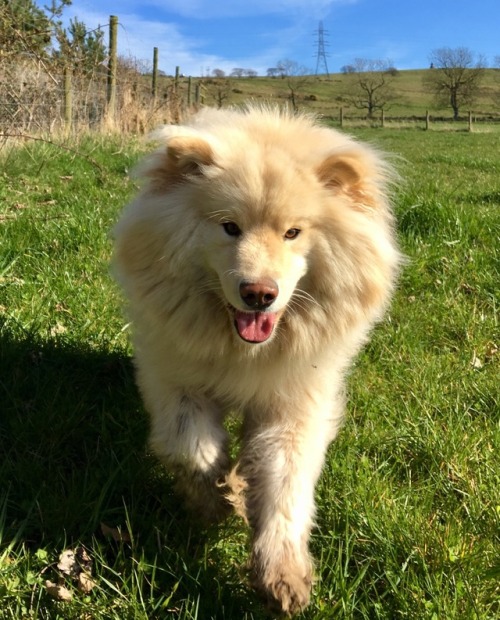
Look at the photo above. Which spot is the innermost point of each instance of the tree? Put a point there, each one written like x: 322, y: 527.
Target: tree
x: 455, y: 78
x: 273, y: 72
x: 297, y: 77
x: 218, y: 89
x: 347, y: 69
x: 80, y: 49
x: 238, y: 72
x: 218, y: 73
x: 287, y: 67
x: 370, y: 84
x: 24, y: 27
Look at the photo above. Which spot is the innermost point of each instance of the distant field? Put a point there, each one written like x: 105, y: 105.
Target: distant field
x: 408, y: 522
x: 410, y: 97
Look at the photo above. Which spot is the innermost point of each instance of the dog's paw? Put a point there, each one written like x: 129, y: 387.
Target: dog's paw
x: 206, y: 504
x: 203, y: 496
x: 285, y: 588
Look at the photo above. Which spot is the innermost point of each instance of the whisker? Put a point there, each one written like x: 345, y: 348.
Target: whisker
x: 233, y: 272
x: 207, y: 286
x: 305, y: 296
x: 219, y: 214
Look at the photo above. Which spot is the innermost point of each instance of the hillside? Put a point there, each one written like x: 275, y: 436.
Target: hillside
x: 326, y: 95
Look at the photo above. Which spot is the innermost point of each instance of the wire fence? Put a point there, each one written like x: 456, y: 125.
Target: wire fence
x: 39, y: 99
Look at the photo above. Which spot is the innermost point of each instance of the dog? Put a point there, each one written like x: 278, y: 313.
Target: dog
x: 256, y: 259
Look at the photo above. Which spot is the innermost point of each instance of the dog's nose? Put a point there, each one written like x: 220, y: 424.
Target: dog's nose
x: 259, y: 295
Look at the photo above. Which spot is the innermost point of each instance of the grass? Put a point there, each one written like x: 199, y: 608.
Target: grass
x: 408, y: 503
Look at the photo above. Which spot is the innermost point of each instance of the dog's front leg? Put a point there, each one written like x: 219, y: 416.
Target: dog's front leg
x: 188, y: 436
x: 281, y: 463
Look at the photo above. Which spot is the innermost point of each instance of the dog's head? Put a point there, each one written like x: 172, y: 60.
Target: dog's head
x: 261, y: 204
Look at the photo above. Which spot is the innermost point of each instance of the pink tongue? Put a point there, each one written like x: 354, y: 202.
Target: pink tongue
x: 254, y: 326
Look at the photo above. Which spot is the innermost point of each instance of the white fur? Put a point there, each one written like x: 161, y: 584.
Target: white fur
x: 268, y: 172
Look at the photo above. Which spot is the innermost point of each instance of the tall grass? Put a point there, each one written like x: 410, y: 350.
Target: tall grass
x: 408, y: 504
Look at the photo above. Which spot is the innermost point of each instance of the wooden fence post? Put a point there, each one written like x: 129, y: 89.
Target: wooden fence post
x: 470, y: 121
x: 177, y: 74
x: 68, y: 100
x: 112, y: 66
x: 341, y: 117
x: 190, y: 86
x: 382, y: 118
x: 154, y: 87
x: 427, y: 120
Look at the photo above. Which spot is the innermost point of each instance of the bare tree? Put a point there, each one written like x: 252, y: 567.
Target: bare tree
x: 456, y: 77
x: 238, y: 72
x: 218, y: 89
x: 287, y: 67
x: 297, y: 77
x: 218, y: 73
x: 370, y: 84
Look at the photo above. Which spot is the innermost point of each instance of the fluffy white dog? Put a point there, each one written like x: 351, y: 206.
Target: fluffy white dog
x: 256, y: 259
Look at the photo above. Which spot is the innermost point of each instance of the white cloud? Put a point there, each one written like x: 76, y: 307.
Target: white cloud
x: 137, y: 37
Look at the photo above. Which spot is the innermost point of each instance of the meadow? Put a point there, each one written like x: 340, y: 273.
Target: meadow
x: 408, y: 521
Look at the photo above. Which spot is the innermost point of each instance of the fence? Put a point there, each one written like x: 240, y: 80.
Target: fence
x: 37, y: 99
x: 469, y: 121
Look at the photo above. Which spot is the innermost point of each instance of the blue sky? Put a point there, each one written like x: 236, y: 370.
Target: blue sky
x: 202, y: 35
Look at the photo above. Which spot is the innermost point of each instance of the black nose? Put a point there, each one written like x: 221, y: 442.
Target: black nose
x: 259, y: 295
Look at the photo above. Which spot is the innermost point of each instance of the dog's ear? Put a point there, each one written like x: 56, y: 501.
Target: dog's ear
x: 351, y: 176
x: 338, y: 172
x: 184, y: 157
x: 187, y: 155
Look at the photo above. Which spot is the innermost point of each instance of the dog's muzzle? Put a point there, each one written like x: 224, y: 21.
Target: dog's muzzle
x: 256, y: 322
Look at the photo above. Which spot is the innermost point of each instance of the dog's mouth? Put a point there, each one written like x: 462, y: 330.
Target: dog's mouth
x: 254, y: 327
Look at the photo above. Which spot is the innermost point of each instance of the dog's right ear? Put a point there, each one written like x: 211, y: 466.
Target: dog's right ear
x: 184, y: 157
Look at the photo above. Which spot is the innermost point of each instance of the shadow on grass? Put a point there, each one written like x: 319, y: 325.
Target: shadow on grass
x: 72, y: 436
x: 72, y: 439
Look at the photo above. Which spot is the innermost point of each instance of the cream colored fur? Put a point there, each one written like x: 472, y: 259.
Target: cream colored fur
x: 268, y: 172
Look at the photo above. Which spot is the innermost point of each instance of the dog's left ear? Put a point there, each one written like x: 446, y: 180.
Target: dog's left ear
x: 187, y: 155
x: 349, y: 175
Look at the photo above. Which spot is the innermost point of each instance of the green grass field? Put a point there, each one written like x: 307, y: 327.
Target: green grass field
x: 408, y: 522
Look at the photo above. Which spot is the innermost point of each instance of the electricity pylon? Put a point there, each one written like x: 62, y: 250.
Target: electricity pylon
x: 322, y: 53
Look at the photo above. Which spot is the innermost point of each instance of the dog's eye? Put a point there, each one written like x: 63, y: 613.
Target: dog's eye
x: 232, y: 229
x: 292, y: 233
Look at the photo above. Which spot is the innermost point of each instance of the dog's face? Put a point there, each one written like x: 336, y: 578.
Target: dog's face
x: 259, y: 267
x: 255, y: 235
x: 258, y: 214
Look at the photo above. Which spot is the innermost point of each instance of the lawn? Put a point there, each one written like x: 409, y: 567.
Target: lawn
x: 408, y: 521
